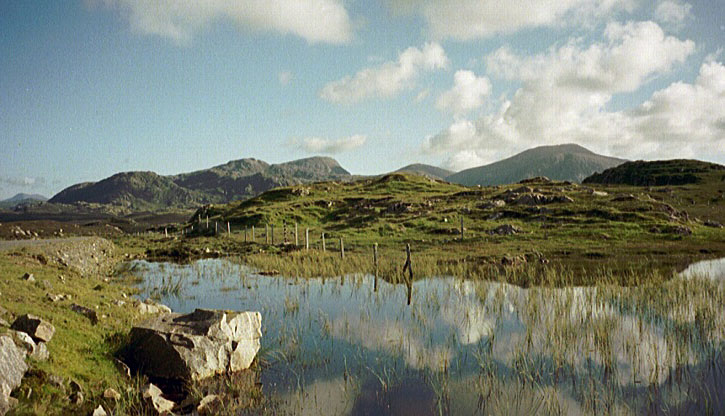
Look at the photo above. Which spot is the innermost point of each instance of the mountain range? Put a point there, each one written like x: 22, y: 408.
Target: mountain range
x: 245, y: 178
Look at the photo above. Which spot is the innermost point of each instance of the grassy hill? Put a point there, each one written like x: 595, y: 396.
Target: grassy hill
x: 660, y: 173
x: 566, y: 162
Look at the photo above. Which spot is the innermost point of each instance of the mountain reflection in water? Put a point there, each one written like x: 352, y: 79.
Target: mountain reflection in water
x: 335, y: 346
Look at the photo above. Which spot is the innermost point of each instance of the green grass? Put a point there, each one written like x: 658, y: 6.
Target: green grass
x: 582, y: 238
x: 79, y: 350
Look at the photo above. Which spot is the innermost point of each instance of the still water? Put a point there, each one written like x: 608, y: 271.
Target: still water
x: 337, y: 346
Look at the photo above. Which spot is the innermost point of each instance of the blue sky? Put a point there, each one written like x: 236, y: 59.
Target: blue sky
x: 90, y: 88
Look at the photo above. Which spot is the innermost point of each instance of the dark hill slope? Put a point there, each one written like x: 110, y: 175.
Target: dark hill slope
x: 659, y: 173
x: 133, y: 190
x: 566, y: 162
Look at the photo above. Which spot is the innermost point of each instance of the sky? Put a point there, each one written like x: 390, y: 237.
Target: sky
x: 89, y: 88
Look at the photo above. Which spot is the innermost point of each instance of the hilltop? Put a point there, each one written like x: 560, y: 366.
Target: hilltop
x: 660, y: 173
x: 566, y: 162
x: 426, y: 170
x: 22, y: 200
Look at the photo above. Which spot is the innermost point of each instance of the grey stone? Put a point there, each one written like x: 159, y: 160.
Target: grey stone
x: 506, y: 229
x: 209, y: 405
x: 196, y: 345
x: 152, y: 395
x: 87, y: 312
x: 12, y: 370
x: 37, y: 328
x: 111, y: 394
x: 29, y: 277
x: 99, y: 411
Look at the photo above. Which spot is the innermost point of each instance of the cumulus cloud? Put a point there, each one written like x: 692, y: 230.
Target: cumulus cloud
x: 564, y: 94
x: 179, y: 20
x: 673, y: 12
x: 320, y: 145
x: 467, y: 93
x: 387, y: 79
x: 468, y: 19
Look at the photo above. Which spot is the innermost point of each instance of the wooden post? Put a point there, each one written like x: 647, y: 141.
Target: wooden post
x: 166, y: 232
x: 252, y: 233
x: 307, y: 239
x: 271, y: 227
x: 408, y: 265
x: 461, y: 227
x: 296, y: 241
x: 266, y: 233
x: 375, y: 261
x: 216, y: 227
x: 229, y: 229
x: 323, y: 242
x: 342, y: 249
x: 207, y: 221
x: 245, y: 234
x: 284, y: 232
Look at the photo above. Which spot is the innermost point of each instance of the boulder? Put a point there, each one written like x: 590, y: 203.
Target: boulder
x: 12, y: 370
x: 37, y: 328
x: 196, y: 345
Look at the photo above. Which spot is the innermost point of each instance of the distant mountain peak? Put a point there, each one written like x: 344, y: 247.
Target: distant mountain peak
x: 426, y: 170
x: 570, y: 162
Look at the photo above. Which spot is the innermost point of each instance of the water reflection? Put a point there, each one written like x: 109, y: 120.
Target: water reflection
x: 339, y: 347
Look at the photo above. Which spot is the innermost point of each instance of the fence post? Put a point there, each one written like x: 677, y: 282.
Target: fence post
x: 245, y: 234
x: 166, y: 232
x: 461, y: 227
x: 284, y: 232
x: 408, y: 265
x: 271, y: 227
x: 252, y: 233
x: 296, y: 240
x: 207, y: 221
x: 229, y: 229
x: 342, y: 249
x: 216, y: 227
x: 266, y: 233
x: 323, y: 242
x: 375, y: 261
x: 307, y: 239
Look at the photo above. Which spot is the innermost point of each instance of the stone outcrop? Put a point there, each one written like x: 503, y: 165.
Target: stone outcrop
x: 12, y: 370
x: 196, y: 345
x: 39, y: 329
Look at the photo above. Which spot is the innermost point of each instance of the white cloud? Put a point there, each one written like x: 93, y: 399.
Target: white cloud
x: 467, y: 93
x: 387, y: 79
x: 320, y: 145
x: 673, y: 12
x: 564, y: 94
x: 468, y: 19
x: 422, y: 95
x: 178, y: 20
x: 285, y: 77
